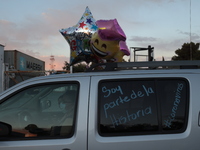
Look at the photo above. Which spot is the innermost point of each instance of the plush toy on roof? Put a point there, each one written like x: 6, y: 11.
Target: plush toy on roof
x: 109, y: 41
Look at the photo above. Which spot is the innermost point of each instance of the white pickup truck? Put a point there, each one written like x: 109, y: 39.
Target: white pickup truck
x: 152, y: 106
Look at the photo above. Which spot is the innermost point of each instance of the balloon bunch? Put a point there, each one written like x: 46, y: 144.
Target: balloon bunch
x: 95, y: 41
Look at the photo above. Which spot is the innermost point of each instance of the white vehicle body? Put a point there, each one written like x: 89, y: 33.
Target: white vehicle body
x: 87, y: 133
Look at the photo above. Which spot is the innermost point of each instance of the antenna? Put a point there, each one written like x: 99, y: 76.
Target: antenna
x: 190, y: 33
x: 52, y: 59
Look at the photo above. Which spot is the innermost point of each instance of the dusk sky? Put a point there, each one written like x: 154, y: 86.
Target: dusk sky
x: 32, y: 26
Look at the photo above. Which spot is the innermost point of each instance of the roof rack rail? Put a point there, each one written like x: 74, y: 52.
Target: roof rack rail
x: 185, y: 64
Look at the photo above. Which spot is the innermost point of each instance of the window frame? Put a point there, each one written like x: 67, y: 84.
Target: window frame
x: 158, y: 105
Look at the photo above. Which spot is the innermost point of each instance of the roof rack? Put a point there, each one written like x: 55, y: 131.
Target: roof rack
x: 185, y: 64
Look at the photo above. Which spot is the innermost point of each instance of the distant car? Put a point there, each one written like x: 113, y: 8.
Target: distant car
x: 142, y: 106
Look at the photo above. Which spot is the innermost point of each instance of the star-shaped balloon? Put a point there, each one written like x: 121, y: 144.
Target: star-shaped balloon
x: 78, y: 37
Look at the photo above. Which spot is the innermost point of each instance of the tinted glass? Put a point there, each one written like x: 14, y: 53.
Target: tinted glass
x: 131, y: 107
x: 127, y: 107
x: 43, y: 111
x: 173, y: 95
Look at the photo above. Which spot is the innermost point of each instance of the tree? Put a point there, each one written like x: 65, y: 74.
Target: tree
x: 185, y: 52
x: 79, y: 67
x: 66, y: 66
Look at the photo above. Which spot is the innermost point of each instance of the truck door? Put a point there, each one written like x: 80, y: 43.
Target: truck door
x: 45, y: 115
x: 140, y: 112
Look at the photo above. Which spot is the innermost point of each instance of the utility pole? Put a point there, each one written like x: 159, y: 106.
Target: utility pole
x: 150, y: 53
x: 52, y: 59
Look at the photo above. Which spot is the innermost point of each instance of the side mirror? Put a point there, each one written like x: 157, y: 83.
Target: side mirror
x: 5, y: 129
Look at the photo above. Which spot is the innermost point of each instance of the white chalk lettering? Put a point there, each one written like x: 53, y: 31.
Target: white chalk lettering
x: 135, y: 95
x: 121, y: 100
x: 176, y: 103
x: 113, y: 104
x: 130, y: 116
x: 148, y: 90
x: 108, y: 92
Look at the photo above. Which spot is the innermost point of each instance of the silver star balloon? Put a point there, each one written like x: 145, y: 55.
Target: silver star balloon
x: 78, y: 37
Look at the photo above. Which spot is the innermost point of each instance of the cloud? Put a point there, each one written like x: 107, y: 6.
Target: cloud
x: 194, y: 36
x: 142, y: 39
x: 36, y: 34
x: 6, y: 24
x: 39, y: 35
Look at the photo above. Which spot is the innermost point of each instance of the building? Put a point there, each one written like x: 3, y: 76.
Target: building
x: 22, y: 62
x: 17, y: 66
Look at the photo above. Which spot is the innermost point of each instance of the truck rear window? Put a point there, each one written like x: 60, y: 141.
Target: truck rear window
x: 142, y: 106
